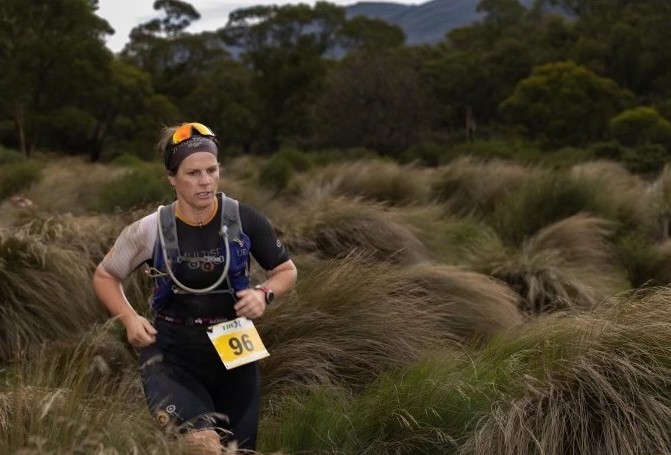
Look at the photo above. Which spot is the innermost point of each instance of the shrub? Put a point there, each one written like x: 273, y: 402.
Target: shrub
x: 10, y: 156
x: 428, y: 154
x: 507, y: 149
x: 141, y: 186
x: 299, y: 160
x: 276, y: 173
x: 17, y: 176
x: 641, y: 125
x: 646, y: 159
x: 607, y: 150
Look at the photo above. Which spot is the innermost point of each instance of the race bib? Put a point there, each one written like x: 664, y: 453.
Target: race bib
x: 237, y: 342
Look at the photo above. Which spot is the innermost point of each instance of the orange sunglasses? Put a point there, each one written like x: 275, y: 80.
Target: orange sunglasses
x: 186, y: 130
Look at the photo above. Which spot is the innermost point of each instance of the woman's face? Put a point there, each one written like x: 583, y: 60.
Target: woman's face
x: 196, y: 180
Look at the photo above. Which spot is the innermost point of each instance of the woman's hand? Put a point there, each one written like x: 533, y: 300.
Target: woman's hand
x: 139, y: 331
x: 251, y: 303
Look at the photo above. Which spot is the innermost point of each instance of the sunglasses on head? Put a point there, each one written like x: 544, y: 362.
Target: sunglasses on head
x: 187, y: 130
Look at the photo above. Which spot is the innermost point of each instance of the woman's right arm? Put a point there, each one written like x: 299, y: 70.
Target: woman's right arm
x: 109, y: 290
x: 133, y: 247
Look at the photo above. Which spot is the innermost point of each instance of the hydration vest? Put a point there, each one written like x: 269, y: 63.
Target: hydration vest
x: 239, y: 246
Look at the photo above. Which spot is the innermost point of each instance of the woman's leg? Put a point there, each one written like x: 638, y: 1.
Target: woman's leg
x: 239, y: 397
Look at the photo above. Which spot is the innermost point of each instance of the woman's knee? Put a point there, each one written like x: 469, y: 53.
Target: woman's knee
x: 204, y: 442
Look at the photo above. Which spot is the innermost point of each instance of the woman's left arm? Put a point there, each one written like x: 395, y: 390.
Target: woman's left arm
x: 280, y: 280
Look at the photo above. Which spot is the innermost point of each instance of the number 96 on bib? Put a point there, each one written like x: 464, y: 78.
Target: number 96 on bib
x: 237, y: 342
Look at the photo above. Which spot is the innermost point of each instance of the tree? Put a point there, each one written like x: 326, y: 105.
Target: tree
x: 565, y: 103
x: 284, y: 46
x: 124, y: 95
x: 224, y: 99
x: 374, y: 99
x: 51, y: 53
x: 584, y: 8
x: 629, y: 45
x: 365, y: 32
x: 502, y: 11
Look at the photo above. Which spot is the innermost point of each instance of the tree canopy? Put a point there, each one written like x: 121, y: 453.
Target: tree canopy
x: 558, y: 73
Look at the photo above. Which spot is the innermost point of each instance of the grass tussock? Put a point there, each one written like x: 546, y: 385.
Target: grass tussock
x: 64, y: 398
x: 89, y: 234
x: 592, y: 382
x: 660, y: 194
x: 373, y: 180
x: 447, y: 238
x: 622, y: 196
x: 547, y: 198
x: 568, y: 264
x: 611, y: 399
x: 349, y: 321
x: 338, y: 228
x: 471, y: 306
x: 45, y: 292
x: 473, y: 188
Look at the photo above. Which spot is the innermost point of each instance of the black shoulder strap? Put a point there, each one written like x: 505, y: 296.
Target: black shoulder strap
x: 230, y: 216
x: 168, y: 226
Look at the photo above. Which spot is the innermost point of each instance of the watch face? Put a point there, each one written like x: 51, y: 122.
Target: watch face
x: 270, y: 295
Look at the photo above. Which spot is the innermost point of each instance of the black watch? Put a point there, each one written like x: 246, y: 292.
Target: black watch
x: 270, y: 295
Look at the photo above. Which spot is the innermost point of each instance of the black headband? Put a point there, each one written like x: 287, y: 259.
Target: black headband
x: 175, y: 154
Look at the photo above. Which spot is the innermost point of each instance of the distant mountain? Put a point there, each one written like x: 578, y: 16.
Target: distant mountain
x: 425, y: 23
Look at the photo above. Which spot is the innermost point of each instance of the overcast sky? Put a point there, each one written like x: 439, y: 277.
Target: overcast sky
x: 123, y: 15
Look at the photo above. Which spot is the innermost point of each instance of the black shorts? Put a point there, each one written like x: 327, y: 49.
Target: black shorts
x: 188, y: 387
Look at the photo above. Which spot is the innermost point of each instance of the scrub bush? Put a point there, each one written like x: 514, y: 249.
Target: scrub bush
x: 141, y: 186
x: 17, y: 176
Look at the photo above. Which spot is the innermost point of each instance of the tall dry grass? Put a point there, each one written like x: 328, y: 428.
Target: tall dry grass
x: 350, y: 320
x: 372, y: 180
x: 569, y: 264
x: 404, y: 334
x: 338, y: 227
x: 446, y: 237
x: 474, y: 188
x: 549, y: 197
x: 72, y: 185
x: 611, y: 398
x: 45, y: 292
x: 78, y: 396
x: 622, y: 196
x: 582, y: 382
x: 660, y: 194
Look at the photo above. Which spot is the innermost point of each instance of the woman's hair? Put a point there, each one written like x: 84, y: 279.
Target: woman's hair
x: 163, y: 141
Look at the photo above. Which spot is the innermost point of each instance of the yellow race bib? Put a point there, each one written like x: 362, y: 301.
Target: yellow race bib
x: 237, y: 342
